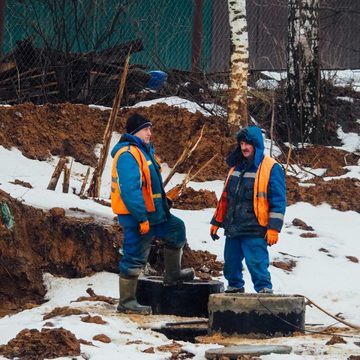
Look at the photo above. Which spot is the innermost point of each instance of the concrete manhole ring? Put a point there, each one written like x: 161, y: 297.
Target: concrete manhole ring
x: 258, y: 314
x: 186, y: 299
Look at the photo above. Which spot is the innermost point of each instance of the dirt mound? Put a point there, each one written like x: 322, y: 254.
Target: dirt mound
x: 191, y: 199
x: 318, y: 156
x: 75, y: 130
x: 41, y: 131
x: 341, y: 194
x: 37, y: 345
x: 174, y: 127
x: 205, y: 264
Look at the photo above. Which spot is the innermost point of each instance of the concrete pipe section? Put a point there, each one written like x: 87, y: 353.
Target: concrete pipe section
x: 236, y: 352
x: 186, y: 299
x: 256, y: 314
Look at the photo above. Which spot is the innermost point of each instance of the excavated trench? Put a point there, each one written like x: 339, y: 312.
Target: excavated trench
x: 48, y: 241
x: 38, y: 241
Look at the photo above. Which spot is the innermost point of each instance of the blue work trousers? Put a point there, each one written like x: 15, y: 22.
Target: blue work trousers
x: 136, y: 247
x: 256, y: 255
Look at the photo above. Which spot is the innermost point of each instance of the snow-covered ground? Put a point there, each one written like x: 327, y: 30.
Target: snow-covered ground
x: 331, y: 281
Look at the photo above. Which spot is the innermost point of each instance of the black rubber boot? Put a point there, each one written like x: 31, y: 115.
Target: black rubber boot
x: 173, y: 273
x: 128, y: 303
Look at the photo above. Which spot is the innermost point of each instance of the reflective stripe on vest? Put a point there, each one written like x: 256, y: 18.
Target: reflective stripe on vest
x: 261, y: 204
x: 117, y: 204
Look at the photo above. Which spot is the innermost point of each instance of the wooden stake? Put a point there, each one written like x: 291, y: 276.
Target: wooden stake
x: 86, y: 178
x: 94, y: 188
x: 203, y: 167
x: 173, y: 193
x: 66, y: 183
x: 288, y: 159
x: 185, y: 155
x: 56, y: 174
x: 272, y: 124
x: 176, y: 190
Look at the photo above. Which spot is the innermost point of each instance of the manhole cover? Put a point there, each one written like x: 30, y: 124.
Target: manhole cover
x: 184, y: 331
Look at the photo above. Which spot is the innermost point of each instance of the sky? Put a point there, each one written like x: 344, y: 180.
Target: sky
x: 332, y: 282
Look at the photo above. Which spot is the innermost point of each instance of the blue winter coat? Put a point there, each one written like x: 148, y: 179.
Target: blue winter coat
x: 130, y: 184
x: 240, y: 219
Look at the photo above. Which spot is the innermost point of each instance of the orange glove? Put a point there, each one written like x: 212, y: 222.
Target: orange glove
x: 144, y: 227
x: 272, y: 236
x: 213, y: 232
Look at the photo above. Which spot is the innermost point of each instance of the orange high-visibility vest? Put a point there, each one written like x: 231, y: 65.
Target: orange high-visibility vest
x: 261, y: 204
x: 117, y: 204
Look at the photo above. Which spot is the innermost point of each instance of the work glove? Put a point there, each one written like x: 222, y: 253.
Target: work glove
x: 213, y: 232
x: 272, y: 236
x: 144, y: 227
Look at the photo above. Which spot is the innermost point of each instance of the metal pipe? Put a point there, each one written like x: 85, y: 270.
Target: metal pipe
x: 197, y: 36
x: 2, y: 17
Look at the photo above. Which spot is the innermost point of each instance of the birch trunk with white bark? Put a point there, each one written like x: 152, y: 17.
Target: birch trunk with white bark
x: 237, y: 103
x: 303, y: 71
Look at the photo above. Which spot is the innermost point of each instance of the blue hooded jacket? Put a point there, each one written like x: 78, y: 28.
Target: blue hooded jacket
x: 240, y: 219
x: 130, y: 184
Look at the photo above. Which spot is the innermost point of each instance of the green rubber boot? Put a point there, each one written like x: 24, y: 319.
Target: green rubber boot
x: 128, y: 303
x: 173, y: 273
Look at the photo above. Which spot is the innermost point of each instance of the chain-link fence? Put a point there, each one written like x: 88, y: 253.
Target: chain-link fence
x: 74, y: 50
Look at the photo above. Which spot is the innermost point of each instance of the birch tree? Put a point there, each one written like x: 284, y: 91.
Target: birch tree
x: 303, y: 71
x: 237, y: 102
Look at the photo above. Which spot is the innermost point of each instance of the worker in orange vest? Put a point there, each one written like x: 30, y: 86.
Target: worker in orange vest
x: 251, y: 210
x: 139, y: 200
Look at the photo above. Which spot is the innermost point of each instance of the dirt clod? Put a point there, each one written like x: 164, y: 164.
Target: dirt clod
x: 301, y: 224
x: 336, y: 340
x: 103, y: 338
x: 286, y: 265
x: 308, y: 235
x: 93, y: 319
x: 32, y: 344
x: 63, y: 311
x: 353, y: 259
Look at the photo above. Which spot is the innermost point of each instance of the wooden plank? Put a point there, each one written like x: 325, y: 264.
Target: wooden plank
x: 83, y: 186
x: 56, y: 174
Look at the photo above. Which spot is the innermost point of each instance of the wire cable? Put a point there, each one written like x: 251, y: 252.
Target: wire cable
x: 303, y: 329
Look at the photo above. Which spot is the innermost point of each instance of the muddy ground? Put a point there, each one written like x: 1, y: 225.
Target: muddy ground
x: 79, y: 247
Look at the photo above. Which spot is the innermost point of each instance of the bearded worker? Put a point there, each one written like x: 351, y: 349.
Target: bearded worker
x: 251, y: 210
